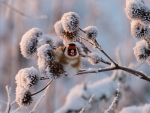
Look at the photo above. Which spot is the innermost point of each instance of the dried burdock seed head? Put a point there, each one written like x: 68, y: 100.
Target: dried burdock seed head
x: 91, y: 32
x: 134, y: 9
x: 141, y: 51
x: 59, y: 29
x: 45, y: 39
x: 23, y: 96
x: 138, y: 30
x: 147, y: 41
x: 70, y: 21
x: 71, y: 36
x: 56, y: 69
x: 45, y: 57
x: 27, y: 77
x: 29, y: 42
x: 145, y: 19
x: 137, y: 10
x: 94, y: 58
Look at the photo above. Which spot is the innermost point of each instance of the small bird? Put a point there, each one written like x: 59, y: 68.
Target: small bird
x: 69, y: 57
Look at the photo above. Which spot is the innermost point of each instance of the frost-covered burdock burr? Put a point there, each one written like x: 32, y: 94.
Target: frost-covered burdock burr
x: 45, y: 39
x: 70, y: 21
x: 23, y: 96
x: 91, y: 32
x: 29, y: 42
x: 141, y: 51
x: 137, y: 10
x: 139, y: 31
x: 45, y: 57
x: 71, y: 36
x: 55, y: 70
x: 59, y: 29
x: 94, y: 58
x: 27, y: 77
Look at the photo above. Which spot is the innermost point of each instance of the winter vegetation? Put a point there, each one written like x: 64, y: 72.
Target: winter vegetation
x: 58, y: 57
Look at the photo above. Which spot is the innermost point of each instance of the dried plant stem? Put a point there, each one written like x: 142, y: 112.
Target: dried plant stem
x: 21, y: 13
x: 95, y: 43
x: 115, y: 100
x: 39, y: 100
x: 43, y: 88
x: 129, y: 70
x: 8, y: 103
x: 84, y: 108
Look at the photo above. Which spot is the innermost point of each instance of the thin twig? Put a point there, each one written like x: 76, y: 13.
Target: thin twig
x: 17, y: 109
x: 21, y: 13
x: 8, y: 103
x: 115, y: 100
x: 95, y: 43
x: 84, y: 108
x: 39, y: 100
x: 83, y: 46
x: 43, y: 88
x: 81, y: 30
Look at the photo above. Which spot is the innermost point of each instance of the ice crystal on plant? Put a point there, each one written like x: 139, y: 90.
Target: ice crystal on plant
x: 45, y: 57
x: 45, y: 39
x: 141, y: 51
x: 27, y: 77
x: 138, y: 30
x: 137, y: 10
x: 94, y: 58
x: 23, y: 96
x: 59, y: 29
x: 91, y: 32
x: 71, y: 36
x: 70, y: 21
x: 29, y: 42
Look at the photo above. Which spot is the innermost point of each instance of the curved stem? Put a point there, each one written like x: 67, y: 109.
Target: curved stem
x: 98, y: 70
x: 136, y: 73
x: 21, y: 13
x: 44, y: 78
x: 81, y: 30
x: 43, y: 88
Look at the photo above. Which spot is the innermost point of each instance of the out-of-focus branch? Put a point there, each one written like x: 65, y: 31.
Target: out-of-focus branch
x: 8, y: 103
x: 115, y: 101
x: 40, y: 99
x: 21, y: 13
x: 84, y: 108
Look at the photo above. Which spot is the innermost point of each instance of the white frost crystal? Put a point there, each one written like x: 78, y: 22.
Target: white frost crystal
x: 94, y: 58
x: 45, y: 39
x: 137, y: 10
x: 23, y: 96
x: 45, y: 56
x: 70, y: 21
x: 141, y: 51
x: 27, y: 77
x: 59, y: 29
x: 139, y: 31
x: 28, y: 44
x: 91, y: 32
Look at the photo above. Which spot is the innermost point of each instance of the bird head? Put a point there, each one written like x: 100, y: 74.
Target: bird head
x: 71, y: 50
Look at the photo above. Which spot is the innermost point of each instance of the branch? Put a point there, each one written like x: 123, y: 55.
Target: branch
x: 21, y: 13
x: 84, y: 108
x: 115, y: 100
x: 43, y: 88
x: 8, y: 103
x: 39, y: 100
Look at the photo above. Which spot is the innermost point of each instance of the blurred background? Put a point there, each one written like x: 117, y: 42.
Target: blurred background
x: 114, y: 32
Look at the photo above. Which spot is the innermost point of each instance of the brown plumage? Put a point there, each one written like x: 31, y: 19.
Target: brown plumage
x: 69, y: 57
